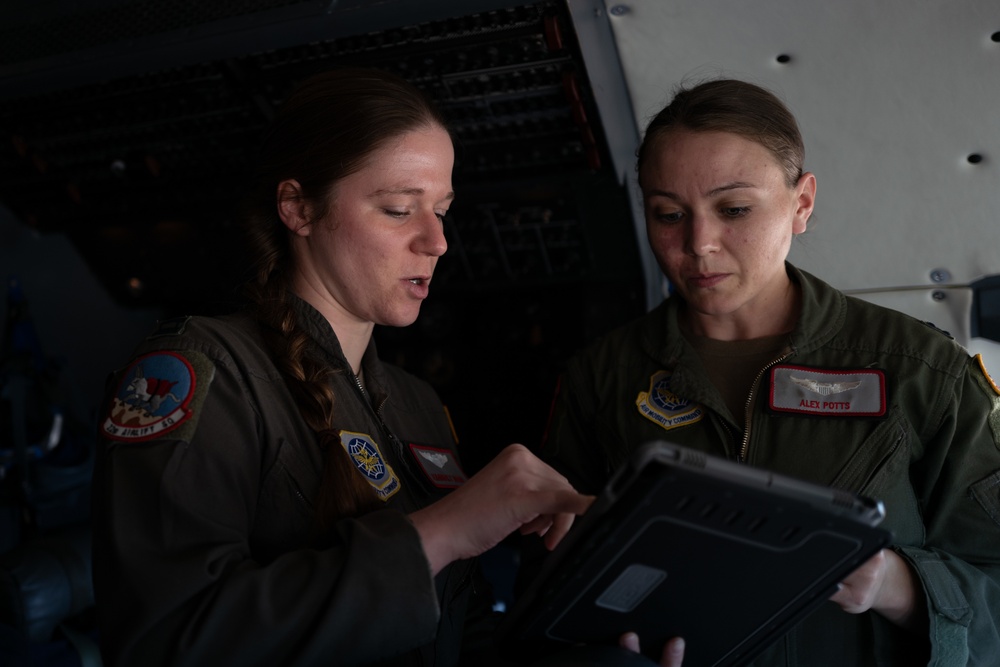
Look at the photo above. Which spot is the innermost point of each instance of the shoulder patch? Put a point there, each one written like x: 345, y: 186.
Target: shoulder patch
x: 370, y: 462
x: 986, y: 375
x: 992, y: 391
x: 158, y: 394
x: 664, y: 407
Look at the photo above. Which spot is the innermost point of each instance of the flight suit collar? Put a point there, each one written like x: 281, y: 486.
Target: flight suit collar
x: 319, y: 329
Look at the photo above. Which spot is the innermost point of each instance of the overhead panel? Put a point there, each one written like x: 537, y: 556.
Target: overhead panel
x: 131, y: 127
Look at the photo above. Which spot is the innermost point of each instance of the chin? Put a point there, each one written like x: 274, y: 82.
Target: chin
x: 711, y: 307
x: 400, y: 319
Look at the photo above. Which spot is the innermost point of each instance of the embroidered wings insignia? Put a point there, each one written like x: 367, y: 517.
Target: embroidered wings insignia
x: 434, y: 457
x: 825, y: 388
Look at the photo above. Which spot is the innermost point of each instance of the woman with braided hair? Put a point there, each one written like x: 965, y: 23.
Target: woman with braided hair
x: 294, y: 500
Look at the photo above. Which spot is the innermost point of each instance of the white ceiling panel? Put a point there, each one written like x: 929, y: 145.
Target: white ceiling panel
x: 892, y: 98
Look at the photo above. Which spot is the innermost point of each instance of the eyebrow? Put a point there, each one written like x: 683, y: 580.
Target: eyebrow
x: 407, y: 191
x: 735, y: 185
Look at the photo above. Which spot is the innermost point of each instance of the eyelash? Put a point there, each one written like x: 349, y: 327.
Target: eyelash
x: 736, y: 211
x: 402, y: 214
x: 668, y: 218
x: 727, y: 211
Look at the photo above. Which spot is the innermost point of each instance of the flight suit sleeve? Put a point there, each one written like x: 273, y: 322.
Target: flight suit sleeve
x: 959, y: 563
x: 175, y: 578
x: 571, y: 444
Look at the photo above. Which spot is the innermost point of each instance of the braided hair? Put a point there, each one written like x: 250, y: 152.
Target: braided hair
x: 327, y: 129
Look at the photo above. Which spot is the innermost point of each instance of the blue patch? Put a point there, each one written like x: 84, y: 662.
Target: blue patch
x: 368, y: 459
x: 153, y: 398
x: 664, y: 407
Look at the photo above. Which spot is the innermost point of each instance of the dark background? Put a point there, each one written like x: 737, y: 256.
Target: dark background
x: 127, y: 132
x: 129, y: 127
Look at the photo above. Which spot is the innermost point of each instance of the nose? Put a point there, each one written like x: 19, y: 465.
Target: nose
x: 702, y: 236
x: 430, y: 239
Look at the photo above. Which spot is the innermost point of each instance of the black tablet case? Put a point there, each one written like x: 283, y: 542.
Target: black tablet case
x: 681, y: 543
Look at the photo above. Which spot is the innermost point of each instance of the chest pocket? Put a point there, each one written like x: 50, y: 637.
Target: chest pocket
x: 880, y: 469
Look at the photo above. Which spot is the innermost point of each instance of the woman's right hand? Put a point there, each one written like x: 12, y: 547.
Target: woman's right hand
x: 514, y: 491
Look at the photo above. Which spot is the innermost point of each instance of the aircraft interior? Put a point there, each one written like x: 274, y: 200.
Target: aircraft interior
x: 128, y: 127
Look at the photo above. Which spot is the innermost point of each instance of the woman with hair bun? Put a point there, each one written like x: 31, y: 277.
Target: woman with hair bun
x: 756, y: 360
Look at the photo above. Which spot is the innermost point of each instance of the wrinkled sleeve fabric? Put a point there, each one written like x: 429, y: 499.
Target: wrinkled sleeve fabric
x: 576, y: 438
x: 176, y: 581
x: 959, y: 562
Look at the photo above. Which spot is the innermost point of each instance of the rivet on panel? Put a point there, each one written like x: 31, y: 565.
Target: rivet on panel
x: 619, y: 10
x: 940, y: 275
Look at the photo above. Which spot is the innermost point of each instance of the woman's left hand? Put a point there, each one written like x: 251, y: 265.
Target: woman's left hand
x: 885, y: 584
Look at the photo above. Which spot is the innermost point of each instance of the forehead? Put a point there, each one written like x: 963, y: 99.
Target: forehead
x: 687, y: 154
x: 419, y: 161
x: 422, y: 146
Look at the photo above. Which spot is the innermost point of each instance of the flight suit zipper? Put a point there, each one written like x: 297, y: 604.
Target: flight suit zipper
x: 747, y: 417
x: 397, y: 444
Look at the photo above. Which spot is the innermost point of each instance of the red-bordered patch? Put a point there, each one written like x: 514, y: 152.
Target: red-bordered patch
x: 828, y: 392
x: 153, y: 398
x: 440, y: 466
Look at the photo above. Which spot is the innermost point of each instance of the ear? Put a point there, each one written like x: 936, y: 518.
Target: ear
x: 292, y: 208
x: 805, y: 200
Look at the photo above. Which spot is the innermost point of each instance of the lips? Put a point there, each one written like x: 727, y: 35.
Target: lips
x: 706, y: 280
x: 418, y: 286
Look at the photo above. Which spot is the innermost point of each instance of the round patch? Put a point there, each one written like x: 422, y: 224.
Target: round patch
x: 153, y: 398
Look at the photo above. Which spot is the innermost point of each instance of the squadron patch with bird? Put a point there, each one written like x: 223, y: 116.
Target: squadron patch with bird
x: 159, y: 394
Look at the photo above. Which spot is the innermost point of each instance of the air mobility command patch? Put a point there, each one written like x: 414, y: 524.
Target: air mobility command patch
x: 664, y: 407
x: 368, y: 459
x: 439, y: 465
x: 159, y: 393
x: 828, y: 392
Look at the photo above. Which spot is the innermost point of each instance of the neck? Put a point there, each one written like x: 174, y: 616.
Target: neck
x: 772, y: 316
x: 352, y: 333
x: 353, y: 342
